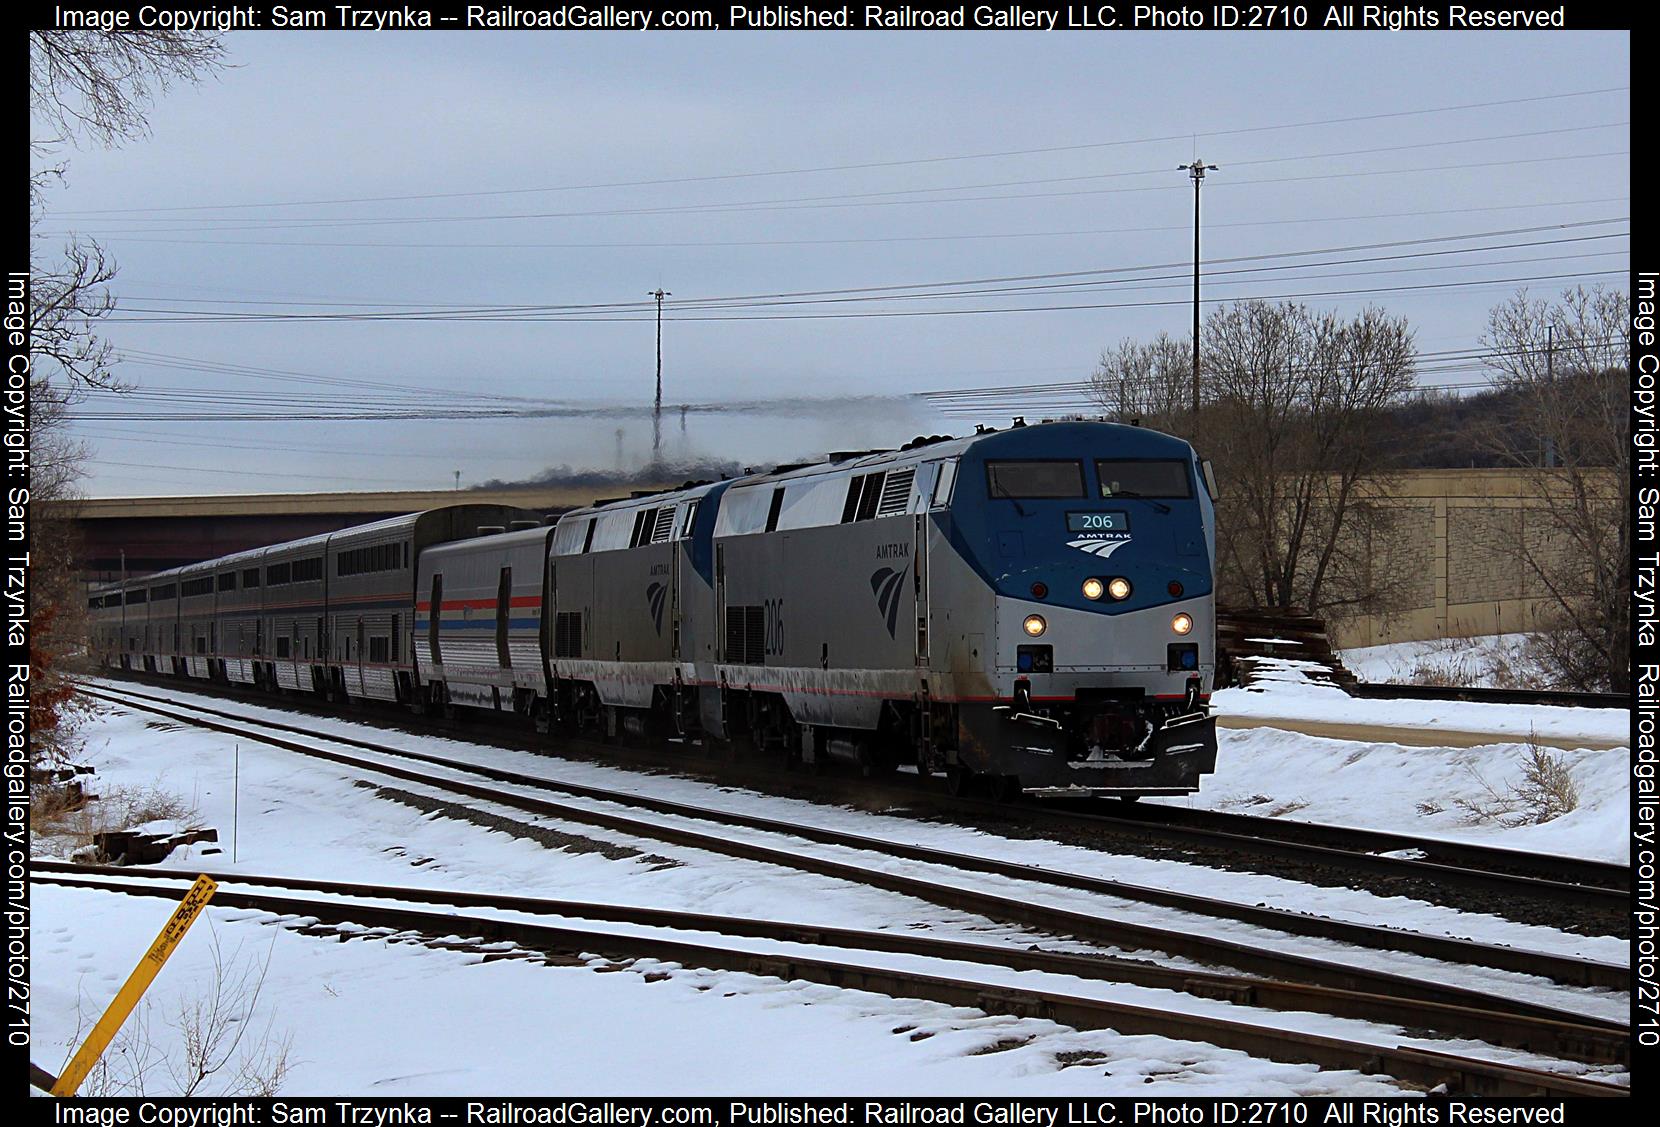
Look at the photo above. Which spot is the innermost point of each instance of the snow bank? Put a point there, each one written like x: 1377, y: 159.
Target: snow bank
x: 1284, y: 692
x: 1471, y: 662
x: 1414, y: 790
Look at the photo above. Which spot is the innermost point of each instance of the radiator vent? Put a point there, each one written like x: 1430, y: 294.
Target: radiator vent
x: 746, y: 636
x: 665, y: 525
x: 567, y: 634
x: 896, y: 492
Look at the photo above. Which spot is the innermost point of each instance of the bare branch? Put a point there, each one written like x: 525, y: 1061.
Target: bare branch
x: 99, y: 84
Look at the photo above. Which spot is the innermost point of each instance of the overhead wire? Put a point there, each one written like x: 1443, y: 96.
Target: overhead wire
x: 817, y: 203
x: 870, y: 293
x: 1210, y: 263
x: 725, y: 316
x: 882, y: 239
x: 867, y: 165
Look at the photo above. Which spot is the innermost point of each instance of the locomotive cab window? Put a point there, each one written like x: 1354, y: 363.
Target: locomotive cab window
x: 1144, y: 479
x: 1035, y: 480
x: 944, y: 479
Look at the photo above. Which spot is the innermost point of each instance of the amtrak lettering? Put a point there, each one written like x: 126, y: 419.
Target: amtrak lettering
x: 1101, y: 544
x: 892, y: 551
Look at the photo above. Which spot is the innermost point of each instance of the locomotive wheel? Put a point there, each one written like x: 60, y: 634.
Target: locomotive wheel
x: 1004, y: 788
x: 957, y: 779
x: 875, y: 762
x: 1129, y: 798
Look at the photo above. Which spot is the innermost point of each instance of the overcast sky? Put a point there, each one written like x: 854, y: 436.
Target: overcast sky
x: 260, y: 155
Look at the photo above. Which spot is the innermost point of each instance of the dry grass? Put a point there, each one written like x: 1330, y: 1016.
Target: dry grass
x: 222, y: 1043
x: 1466, y: 662
x: 58, y: 826
x: 1545, y: 792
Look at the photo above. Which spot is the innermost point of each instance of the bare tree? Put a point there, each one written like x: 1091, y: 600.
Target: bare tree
x: 1292, y: 402
x: 58, y: 620
x: 67, y: 298
x: 84, y: 86
x: 222, y: 1043
x: 1147, y: 383
x: 217, y: 1034
x: 97, y: 85
x: 90, y: 86
x: 1566, y: 365
x: 1292, y: 399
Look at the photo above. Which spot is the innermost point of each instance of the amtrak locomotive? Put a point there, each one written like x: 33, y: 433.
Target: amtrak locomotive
x: 1032, y: 608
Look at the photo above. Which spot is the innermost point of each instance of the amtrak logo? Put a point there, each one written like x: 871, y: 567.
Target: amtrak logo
x: 1098, y: 547
x: 884, y: 584
x: 656, y: 595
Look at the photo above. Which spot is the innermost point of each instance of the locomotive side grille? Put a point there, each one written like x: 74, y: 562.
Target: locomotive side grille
x: 664, y: 526
x: 896, y: 492
x: 746, y: 636
x: 567, y: 634
x: 735, y: 635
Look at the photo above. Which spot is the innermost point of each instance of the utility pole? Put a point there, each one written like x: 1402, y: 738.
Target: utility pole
x: 657, y: 405
x: 1197, y: 171
x: 1550, y: 379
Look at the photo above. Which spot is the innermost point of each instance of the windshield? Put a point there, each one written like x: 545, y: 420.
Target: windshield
x: 1144, y: 479
x: 1035, y: 479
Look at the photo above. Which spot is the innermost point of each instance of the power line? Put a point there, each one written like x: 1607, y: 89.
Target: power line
x: 1032, y: 182
x: 519, y: 245
x: 1432, y: 363
x: 735, y: 312
x: 868, y: 164
x: 173, y: 439
x: 814, y: 203
x: 568, y: 411
x: 880, y: 289
x: 323, y: 475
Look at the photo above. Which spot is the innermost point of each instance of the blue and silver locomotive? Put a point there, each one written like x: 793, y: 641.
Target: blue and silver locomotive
x: 1032, y: 607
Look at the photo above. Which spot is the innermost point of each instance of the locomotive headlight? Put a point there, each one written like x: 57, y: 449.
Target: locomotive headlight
x: 1182, y: 623
x: 1118, y: 588
x: 1093, y: 588
x: 1034, y: 625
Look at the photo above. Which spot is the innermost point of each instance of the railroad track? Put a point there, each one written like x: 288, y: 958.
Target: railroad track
x: 1586, y: 896
x: 1095, y: 926
x: 1568, y: 881
x: 1383, y: 691
x: 847, y: 962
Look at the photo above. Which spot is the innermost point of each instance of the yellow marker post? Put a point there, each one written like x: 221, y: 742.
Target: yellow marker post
x: 137, y: 982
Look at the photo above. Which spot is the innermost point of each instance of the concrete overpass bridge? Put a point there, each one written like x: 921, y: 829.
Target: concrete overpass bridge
x: 156, y: 533
x: 1450, y: 546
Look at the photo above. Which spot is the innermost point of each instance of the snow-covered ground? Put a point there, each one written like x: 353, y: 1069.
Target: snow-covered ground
x: 1471, y: 662
x: 1415, y: 790
x: 1282, y: 691
x: 309, y: 818
x: 1384, y: 785
x: 370, y: 1017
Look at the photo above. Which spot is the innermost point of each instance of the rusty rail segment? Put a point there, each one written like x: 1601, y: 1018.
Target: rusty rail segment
x: 1571, y: 882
